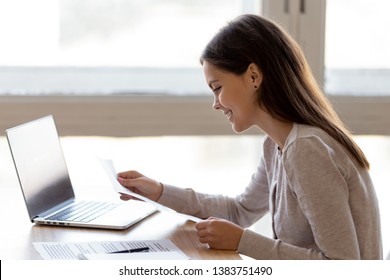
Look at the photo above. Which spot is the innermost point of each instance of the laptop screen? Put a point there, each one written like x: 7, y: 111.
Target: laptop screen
x: 40, y: 165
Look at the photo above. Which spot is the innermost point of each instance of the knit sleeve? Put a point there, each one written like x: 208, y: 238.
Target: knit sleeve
x: 244, y: 209
x: 315, y: 174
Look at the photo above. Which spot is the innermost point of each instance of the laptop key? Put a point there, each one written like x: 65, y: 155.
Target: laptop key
x: 83, y: 211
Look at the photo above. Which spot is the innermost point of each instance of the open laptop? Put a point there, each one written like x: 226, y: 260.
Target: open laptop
x: 46, y: 185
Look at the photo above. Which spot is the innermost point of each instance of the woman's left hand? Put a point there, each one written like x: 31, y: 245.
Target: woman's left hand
x: 219, y: 233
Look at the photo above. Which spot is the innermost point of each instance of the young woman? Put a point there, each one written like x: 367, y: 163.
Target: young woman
x: 312, y: 177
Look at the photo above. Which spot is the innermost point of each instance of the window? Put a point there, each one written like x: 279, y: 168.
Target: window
x: 100, y: 47
x: 357, y: 63
x: 346, y: 46
x: 357, y: 57
x: 124, y: 68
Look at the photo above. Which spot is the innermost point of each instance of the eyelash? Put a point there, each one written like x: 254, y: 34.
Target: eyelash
x: 217, y: 89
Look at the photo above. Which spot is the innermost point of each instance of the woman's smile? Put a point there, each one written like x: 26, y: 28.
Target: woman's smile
x: 228, y: 114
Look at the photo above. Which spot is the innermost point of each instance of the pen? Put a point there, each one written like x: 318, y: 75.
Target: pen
x: 142, y: 249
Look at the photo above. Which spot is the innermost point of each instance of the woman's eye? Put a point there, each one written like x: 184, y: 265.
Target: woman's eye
x: 217, y: 89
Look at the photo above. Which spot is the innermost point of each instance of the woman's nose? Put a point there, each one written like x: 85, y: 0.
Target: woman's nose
x: 216, y: 105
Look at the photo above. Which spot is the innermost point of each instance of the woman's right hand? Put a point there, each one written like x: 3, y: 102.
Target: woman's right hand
x: 140, y: 184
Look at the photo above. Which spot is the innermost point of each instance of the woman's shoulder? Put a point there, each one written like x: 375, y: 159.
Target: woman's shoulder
x: 304, y: 130
x: 299, y: 134
x: 305, y: 133
x: 307, y: 140
x: 304, y: 139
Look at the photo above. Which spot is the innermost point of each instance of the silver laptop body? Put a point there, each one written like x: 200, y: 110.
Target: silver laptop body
x: 47, y: 189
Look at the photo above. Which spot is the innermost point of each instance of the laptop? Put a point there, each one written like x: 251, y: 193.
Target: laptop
x: 47, y: 189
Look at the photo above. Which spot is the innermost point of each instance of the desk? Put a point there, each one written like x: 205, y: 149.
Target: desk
x: 17, y: 233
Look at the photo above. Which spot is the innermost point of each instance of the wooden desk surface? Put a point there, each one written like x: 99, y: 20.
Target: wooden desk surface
x: 17, y: 234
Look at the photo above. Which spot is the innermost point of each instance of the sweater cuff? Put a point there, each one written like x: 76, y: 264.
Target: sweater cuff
x: 255, y: 245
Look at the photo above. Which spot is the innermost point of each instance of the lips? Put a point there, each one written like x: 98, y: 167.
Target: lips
x: 228, y: 114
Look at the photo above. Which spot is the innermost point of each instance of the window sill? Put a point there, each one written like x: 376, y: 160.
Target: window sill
x: 124, y: 116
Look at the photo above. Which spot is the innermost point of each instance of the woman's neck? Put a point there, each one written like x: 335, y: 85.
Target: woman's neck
x: 276, y: 129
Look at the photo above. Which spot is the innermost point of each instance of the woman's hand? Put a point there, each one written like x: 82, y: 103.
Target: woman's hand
x: 140, y: 184
x: 219, y: 234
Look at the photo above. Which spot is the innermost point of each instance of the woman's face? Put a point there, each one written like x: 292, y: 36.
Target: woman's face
x: 234, y: 95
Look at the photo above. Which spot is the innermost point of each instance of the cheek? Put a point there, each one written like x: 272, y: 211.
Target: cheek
x: 231, y: 98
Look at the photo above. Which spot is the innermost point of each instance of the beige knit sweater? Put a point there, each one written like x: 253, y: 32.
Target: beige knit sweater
x: 322, y: 203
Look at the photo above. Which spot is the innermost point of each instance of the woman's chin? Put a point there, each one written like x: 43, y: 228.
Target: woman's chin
x: 238, y: 128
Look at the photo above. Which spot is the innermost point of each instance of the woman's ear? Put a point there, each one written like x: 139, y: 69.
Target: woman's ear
x: 255, y: 75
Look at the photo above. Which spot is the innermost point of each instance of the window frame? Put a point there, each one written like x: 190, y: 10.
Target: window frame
x: 161, y: 114
x: 130, y: 116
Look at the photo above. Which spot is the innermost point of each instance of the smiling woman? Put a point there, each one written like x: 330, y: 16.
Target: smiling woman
x: 312, y: 178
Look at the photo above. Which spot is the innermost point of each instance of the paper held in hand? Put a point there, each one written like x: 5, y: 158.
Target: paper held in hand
x: 109, y: 168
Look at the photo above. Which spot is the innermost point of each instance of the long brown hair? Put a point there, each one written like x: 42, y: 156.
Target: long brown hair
x: 288, y: 90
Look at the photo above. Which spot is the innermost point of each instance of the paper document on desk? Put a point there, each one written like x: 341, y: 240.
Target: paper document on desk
x: 108, y: 166
x: 135, y: 256
x: 158, y: 249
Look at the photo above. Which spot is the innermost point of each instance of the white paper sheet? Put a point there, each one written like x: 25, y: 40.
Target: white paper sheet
x: 84, y: 250
x: 136, y: 256
x: 109, y: 168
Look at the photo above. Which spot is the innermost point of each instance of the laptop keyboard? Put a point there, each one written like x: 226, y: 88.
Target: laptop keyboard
x: 83, y: 211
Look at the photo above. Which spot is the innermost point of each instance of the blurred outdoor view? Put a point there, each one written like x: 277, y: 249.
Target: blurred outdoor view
x: 94, y: 47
